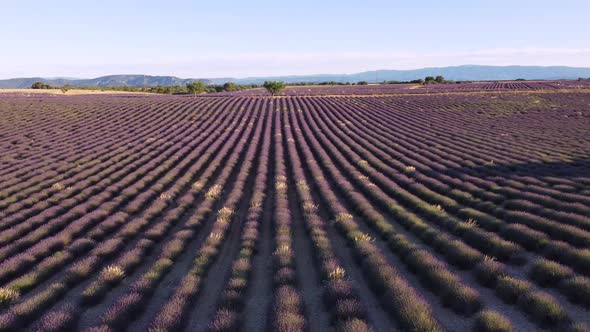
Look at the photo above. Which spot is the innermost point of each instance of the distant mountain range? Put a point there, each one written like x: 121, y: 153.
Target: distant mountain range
x: 111, y: 80
x: 457, y: 73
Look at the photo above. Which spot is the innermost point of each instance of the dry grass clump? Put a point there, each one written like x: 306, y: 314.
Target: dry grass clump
x: 58, y: 186
x: 112, y: 274
x: 283, y: 249
x: 165, y: 196
x: 409, y: 169
x: 310, y: 207
x: 216, y: 236
x: 363, y: 178
x: 363, y: 163
x: 438, y: 208
x: 224, y: 215
x: 281, y: 186
x: 214, y: 192
x: 336, y: 274
x: 198, y: 186
x: 8, y: 296
x: 359, y: 237
x: 343, y: 216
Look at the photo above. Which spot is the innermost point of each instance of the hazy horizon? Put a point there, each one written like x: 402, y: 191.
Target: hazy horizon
x: 282, y: 75
x: 263, y: 38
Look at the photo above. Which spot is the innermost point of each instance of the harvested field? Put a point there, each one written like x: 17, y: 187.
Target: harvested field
x: 58, y: 92
x: 398, y: 89
x: 411, y: 212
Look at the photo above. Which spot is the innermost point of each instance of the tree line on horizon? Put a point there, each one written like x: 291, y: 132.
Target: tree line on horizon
x: 274, y: 87
x: 190, y: 88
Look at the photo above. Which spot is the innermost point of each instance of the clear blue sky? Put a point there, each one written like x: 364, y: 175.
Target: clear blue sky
x: 247, y: 38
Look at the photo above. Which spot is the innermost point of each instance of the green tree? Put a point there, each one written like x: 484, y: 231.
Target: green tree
x: 195, y: 87
x: 230, y: 86
x: 439, y: 79
x: 40, y: 85
x: 274, y: 87
x: 363, y: 83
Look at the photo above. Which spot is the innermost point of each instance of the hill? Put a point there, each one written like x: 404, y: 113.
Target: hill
x: 111, y: 80
x: 457, y: 73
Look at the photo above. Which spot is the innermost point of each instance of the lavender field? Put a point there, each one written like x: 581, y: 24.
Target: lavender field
x: 389, y: 89
x: 347, y: 210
